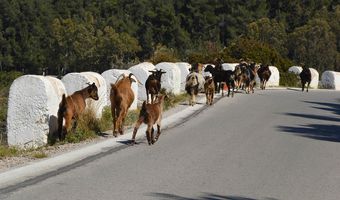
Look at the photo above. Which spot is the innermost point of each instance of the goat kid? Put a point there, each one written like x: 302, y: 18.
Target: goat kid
x: 194, y: 84
x: 209, y: 89
x: 71, y: 107
x: 121, y: 97
x: 150, y: 114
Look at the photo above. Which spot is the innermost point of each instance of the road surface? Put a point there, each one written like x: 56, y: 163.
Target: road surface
x: 271, y: 145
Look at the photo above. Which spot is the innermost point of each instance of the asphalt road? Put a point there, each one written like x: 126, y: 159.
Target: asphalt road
x: 271, y: 145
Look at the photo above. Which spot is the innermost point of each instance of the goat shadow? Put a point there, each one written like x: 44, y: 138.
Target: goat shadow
x: 187, y: 104
x: 294, y: 89
x: 204, y: 196
x: 129, y: 142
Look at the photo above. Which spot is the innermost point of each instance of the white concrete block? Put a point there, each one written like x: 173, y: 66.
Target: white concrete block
x: 32, y: 110
x: 315, y: 78
x: 77, y: 81
x: 185, y: 70
x: 331, y: 80
x: 171, y: 80
x: 141, y: 71
x: 315, y: 75
x: 295, y: 69
x: 274, y: 79
x: 229, y: 66
x: 111, y: 76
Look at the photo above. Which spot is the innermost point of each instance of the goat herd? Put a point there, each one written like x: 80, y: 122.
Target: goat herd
x: 122, y: 96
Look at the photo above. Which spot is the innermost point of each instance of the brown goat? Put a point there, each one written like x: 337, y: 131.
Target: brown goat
x: 121, y: 97
x: 72, y: 106
x: 150, y: 114
x: 209, y: 89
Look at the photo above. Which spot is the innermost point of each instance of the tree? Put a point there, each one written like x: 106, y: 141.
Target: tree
x: 270, y: 32
x: 314, y: 45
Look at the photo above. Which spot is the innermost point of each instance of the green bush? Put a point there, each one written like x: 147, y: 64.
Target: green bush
x: 289, y: 79
x: 163, y: 54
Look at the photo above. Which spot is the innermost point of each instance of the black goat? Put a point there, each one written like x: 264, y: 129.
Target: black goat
x: 225, y: 76
x: 264, y: 74
x: 306, y: 77
x: 153, y: 84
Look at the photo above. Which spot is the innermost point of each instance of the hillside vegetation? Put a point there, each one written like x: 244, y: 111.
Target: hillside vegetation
x: 61, y: 36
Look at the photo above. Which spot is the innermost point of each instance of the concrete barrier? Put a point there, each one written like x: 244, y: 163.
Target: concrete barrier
x: 229, y: 66
x: 77, y: 81
x: 171, y: 80
x: 141, y: 71
x: 331, y: 80
x: 274, y: 79
x: 111, y: 76
x: 33, y: 105
x: 185, y: 70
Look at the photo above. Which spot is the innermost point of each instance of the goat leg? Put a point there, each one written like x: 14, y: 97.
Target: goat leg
x: 158, y: 132
x: 138, y: 123
x: 148, y: 136
x: 152, y: 137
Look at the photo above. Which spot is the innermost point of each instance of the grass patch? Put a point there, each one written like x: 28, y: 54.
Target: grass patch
x: 6, y: 151
x: 88, y: 126
x: 39, y: 155
x: 173, y: 100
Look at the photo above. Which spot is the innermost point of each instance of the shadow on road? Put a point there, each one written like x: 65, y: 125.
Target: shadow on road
x: 205, y: 196
x: 324, y: 132
x: 331, y: 107
x: 318, y: 117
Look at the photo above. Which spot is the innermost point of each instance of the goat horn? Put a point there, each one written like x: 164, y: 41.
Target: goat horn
x: 131, y: 74
x: 122, y: 74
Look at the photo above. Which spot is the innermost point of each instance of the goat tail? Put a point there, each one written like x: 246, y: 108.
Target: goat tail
x: 143, y: 110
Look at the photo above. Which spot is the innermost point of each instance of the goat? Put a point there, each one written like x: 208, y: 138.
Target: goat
x: 150, y: 114
x: 194, y: 84
x: 209, y: 89
x: 306, y: 77
x: 226, y: 76
x: 251, y: 73
x: 121, y: 98
x: 72, y: 106
x: 264, y: 74
x: 153, y: 84
x: 239, y: 76
x: 196, y: 67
